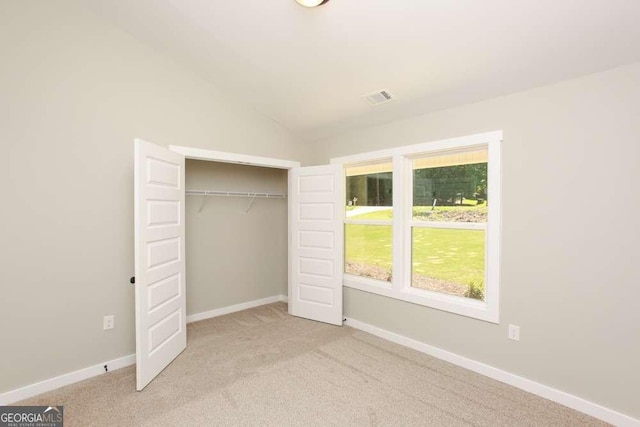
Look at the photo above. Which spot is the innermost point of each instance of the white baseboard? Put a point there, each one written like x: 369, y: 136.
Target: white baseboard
x: 65, y: 379
x: 233, y: 308
x: 92, y: 371
x: 566, y: 399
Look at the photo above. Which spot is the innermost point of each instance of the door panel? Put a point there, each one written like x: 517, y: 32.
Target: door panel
x: 316, y: 252
x: 161, y: 332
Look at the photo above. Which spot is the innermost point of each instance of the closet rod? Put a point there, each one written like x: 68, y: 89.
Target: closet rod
x: 234, y: 194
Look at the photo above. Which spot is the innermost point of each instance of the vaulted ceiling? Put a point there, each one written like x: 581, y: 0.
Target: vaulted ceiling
x: 308, y: 68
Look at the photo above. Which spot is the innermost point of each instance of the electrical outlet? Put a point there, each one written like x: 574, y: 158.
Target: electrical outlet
x: 514, y: 332
x: 108, y: 322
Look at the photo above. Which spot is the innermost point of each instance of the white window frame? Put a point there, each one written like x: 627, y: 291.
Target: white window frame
x: 402, y: 223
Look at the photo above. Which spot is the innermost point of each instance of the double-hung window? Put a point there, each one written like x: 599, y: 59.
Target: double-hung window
x: 422, y: 224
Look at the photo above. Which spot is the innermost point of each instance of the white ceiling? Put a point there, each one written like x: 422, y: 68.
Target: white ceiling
x: 308, y: 68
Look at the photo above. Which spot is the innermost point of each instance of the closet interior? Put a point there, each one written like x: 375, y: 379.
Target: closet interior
x: 236, y: 234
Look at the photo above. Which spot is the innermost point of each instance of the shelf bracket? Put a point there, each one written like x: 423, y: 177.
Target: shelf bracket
x: 203, y: 202
x: 250, y: 203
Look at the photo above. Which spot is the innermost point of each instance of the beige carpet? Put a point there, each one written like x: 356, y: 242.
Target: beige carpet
x: 264, y: 367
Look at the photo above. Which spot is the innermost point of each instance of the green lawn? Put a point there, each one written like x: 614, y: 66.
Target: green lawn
x: 455, y: 256
x: 451, y: 255
x: 369, y: 244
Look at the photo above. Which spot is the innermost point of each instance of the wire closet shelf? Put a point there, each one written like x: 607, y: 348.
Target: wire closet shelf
x: 218, y: 193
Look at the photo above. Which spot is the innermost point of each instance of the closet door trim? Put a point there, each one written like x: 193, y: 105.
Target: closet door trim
x: 224, y: 157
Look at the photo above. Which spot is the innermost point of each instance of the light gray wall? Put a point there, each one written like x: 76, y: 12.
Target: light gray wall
x: 570, y: 261
x: 233, y: 256
x: 74, y: 93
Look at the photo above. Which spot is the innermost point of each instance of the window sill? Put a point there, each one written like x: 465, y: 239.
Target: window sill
x: 356, y: 282
x: 453, y: 304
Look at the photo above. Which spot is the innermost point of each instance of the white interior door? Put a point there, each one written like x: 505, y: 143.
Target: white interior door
x: 161, y: 332
x: 316, y: 201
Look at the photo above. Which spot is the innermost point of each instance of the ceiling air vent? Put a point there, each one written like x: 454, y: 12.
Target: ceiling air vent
x: 379, y: 97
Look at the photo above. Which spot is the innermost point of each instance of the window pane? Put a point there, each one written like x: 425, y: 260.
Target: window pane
x: 370, y: 191
x: 450, y: 261
x: 451, y: 188
x: 368, y: 251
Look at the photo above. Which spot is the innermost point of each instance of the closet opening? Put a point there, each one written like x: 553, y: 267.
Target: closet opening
x: 220, y: 232
x: 236, y: 220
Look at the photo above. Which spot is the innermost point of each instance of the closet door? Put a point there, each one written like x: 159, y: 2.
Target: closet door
x: 161, y: 332
x: 316, y: 199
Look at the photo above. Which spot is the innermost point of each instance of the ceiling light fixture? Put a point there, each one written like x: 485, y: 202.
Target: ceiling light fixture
x: 311, y: 3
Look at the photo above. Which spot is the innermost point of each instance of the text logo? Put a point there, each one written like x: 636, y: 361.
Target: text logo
x: 31, y: 416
